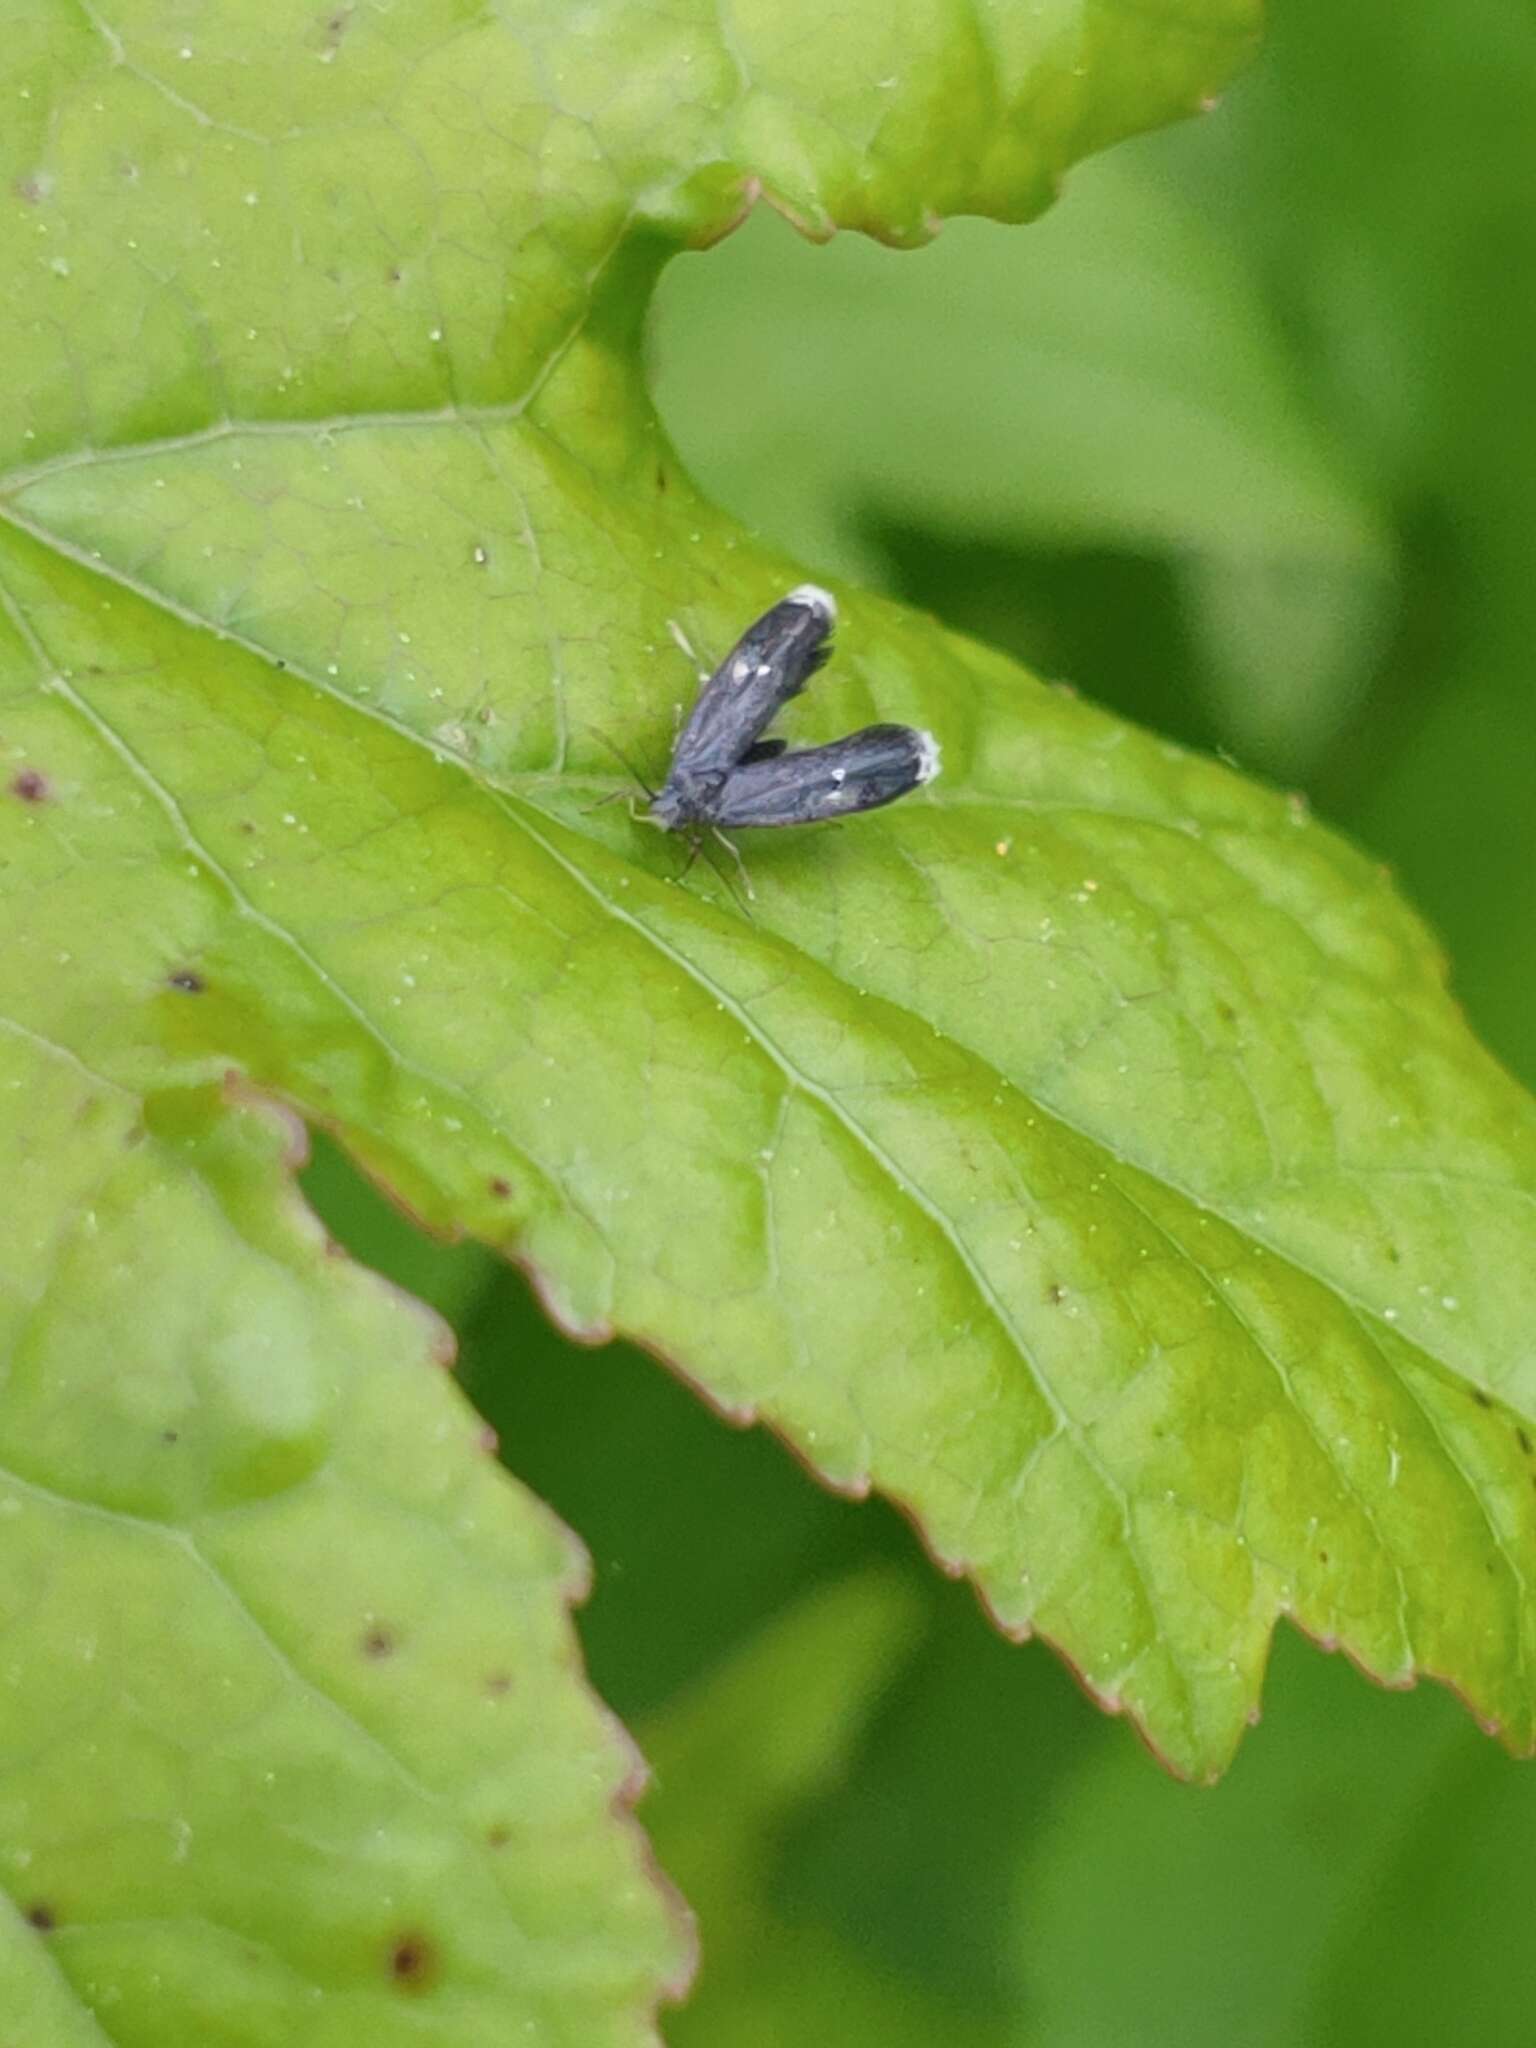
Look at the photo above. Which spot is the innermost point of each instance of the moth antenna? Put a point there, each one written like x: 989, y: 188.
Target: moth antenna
x: 689, y: 650
x: 623, y: 760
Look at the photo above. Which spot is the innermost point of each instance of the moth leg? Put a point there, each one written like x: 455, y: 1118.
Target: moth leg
x: 741, y: 867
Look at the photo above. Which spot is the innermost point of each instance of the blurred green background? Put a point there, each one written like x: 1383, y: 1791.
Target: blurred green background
x: 1241, y: 440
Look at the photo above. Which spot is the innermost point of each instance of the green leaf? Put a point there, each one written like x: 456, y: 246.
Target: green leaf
x: 1087, y: 1154
x: 294, y: 1732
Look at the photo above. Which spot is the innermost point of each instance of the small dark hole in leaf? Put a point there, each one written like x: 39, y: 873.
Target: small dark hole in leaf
x: 1055, y: 1295
x: 30, y: 785
x: 394, y: 273
x: 500, y: 1187
x: 1483, y: 1400
x: 42, y: 1917
x: 379, y: 1642
x: 413, y: 1962
x: 189, y: 982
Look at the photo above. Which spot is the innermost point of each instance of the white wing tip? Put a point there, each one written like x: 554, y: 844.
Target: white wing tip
x: 815, y: 599
x: 928, y: 757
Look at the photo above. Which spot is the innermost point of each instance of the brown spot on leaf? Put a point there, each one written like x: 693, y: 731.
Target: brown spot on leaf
x: 31, y: 785
x: 501, y: 1188
x: 414, y: 1962
x: 1483, y: 1400
x: 498, y: 1684
x: 42, y: 1916
x: 379, y: 1642
x: 187, y: 980
x: 33, y: 187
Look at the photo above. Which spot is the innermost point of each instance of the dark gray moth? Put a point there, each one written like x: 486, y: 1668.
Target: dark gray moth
x: 725, y: 774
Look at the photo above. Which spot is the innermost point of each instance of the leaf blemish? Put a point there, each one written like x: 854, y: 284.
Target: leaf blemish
x: 379, y: 1642
x: 500, y: 1188
x: 42, y: 1917
x: 1522, y: 1437
x: 413, y: 1962
x: 187, y: 980
x: 1055, y: 1294
x: 1483, y: 1400
x: 31, y: 785
x: 499, y: 1684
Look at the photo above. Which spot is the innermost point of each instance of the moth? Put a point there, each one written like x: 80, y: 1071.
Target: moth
x: 724, y: 773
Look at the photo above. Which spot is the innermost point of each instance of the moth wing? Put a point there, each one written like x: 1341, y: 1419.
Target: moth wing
x: 771, y: 662
x: 811, y: 784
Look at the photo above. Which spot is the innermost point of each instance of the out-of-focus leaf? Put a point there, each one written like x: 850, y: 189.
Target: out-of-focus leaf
x: 735, y: 1762
x: 1276, y: 1912
x: 1112, y: 380
x: 1394, y: 227
x: 294, y: 1742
